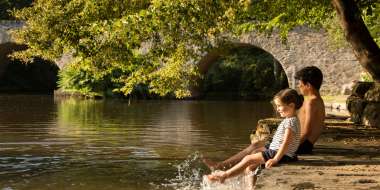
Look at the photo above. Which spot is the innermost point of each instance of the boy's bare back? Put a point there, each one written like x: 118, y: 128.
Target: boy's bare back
x: 312, y: 116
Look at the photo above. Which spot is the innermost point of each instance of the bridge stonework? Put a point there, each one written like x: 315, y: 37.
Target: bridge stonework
x: 304, y: 47
x: 5, y: 26
x: 6, y: 44
x: 307, y: 47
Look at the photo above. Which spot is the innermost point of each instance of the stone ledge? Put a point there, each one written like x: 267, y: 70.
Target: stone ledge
x: 345, y: 157
x: 325, y: 171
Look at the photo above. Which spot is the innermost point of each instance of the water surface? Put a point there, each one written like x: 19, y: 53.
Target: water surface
x: 48, y: 143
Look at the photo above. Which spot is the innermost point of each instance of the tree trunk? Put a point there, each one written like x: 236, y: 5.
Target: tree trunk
x: 365, y: 48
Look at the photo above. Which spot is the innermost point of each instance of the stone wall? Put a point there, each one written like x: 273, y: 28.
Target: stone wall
x: 6, y: 44
x: 5, y: 26
x: 306, y: 47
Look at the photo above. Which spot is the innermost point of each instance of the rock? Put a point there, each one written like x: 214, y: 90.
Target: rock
x: 355, y: 106
x: 373, y: 94
x: 371, y: 115
x: 360, y: 88
x: 347, y: 88
x: 364, y: 104
x: 262, y: 133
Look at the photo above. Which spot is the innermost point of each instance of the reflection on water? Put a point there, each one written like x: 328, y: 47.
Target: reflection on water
x: 48, y: 143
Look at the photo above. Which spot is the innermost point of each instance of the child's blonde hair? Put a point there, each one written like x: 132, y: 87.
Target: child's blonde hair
x: 288, y: 96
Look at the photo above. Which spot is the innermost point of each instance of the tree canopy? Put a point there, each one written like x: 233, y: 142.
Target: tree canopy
x: 127, y: 45
x: 7, y: 6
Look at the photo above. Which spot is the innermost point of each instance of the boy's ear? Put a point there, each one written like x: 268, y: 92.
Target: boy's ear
x: 308, y: 85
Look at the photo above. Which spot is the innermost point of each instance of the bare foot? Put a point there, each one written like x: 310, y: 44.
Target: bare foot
x: 210, y: 164
x: 217, y: 177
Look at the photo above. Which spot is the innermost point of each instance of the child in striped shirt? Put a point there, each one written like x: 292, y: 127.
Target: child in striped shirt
x: 285, y: 141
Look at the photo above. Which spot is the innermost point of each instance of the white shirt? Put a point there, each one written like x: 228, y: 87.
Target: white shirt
x: 293, y: 124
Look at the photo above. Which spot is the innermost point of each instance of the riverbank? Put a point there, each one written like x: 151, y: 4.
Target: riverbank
x: 345, y: 157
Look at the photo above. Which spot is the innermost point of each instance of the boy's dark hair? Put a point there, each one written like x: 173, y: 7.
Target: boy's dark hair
x: 288, y: 96
x: 311, y: 75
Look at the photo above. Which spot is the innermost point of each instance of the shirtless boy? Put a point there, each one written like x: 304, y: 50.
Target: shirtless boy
x: 311, y: 115
x: 312, y: 112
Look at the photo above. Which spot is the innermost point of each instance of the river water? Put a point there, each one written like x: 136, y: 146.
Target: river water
x: 48, y: 143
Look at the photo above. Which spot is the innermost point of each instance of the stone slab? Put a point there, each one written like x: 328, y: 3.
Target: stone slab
x: 328, y: 171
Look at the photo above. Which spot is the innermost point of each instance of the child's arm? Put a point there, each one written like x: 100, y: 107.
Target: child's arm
x: 284, y: 146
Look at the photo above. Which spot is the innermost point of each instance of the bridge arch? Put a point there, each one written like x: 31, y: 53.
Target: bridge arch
x: 239, y: 71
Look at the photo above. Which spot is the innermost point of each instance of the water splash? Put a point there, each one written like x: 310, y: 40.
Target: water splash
x: 238, y: 182
x: 189, y: 174
x: 7, y: 188
x: 192, y: 176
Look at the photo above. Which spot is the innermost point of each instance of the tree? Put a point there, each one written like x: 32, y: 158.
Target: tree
x: 6, y: 6
x: 155, y: 43
x: 108, y: 38
x: 365, y: 48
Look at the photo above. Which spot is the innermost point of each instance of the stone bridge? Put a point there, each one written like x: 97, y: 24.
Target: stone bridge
x: 304, y: 47
x: 6, y: 45
x: 307, y: 47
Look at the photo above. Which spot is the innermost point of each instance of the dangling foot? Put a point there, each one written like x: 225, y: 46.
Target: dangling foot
x: 221, y: 176
x: 211, y: 164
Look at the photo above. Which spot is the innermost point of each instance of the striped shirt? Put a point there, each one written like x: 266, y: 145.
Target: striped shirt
x: 293, y: 124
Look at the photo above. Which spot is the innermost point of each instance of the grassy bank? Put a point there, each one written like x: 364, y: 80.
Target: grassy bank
x: 341, y: 99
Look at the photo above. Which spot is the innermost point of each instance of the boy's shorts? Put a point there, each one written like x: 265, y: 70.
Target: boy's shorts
x: 305, y: 148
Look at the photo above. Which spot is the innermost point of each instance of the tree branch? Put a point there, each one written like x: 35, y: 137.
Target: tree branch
x: 365, y: 48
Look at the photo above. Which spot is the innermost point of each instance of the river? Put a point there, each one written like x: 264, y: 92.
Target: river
x: 49, y: 143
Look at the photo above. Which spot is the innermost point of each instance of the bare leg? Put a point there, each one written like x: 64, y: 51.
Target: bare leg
x: 249, y: 177
x: 252, y: 160
x: 228, y: 163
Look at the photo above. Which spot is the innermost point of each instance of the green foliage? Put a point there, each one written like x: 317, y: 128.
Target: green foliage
x: 371, y: 16
x: 79, y: 78
x: 335, y: 33
x: 283, y: 15
x: 366, y: 77
x: 82, y: 77
x: 108, y: 35
x: 129, y: 45
x: 175, y: 76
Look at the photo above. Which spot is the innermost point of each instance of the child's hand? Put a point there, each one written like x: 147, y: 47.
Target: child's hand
x: 270, y: 163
